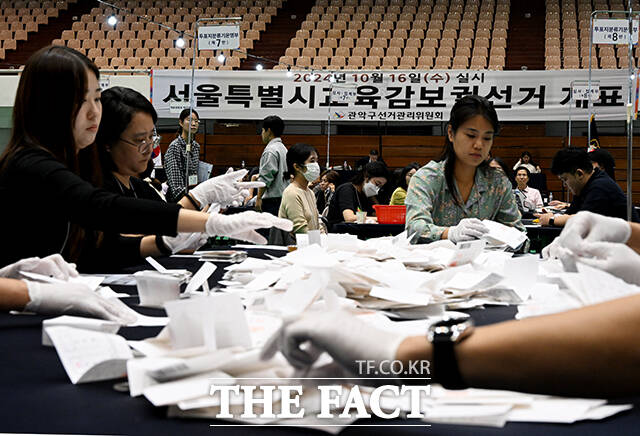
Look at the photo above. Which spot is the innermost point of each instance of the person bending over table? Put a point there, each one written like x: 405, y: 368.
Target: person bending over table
x: 54, y: 298
x: 400, y: 193
x: 298, y: 202
x: 592, y: 188
x: 448, y: 199
x: 47, y: 178
x: 555, y: 354
x: 358, y: 194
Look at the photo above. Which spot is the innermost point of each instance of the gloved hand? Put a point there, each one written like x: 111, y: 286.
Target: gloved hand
x: 339, y: 333
x: 225, y: 190
x: 243, y: 225
x: 53, y: 266
x: 587, y: 227
x: 185, y: 241
x: 615, y: 258
x: 74, y: 299
x: 466, y: 230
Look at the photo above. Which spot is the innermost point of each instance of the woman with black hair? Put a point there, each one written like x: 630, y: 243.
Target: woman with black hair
x: 527, y: 161
x: 358, y: 194
x: 298, y: 202
x: 447, y: 199
x: 400, y: 194
x: 53, y: 177
x: 177, y: 157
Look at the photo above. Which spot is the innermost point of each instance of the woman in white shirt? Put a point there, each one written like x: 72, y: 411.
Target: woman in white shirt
x: 527, y: 161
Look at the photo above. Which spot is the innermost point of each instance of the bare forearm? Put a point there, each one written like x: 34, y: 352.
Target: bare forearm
x: 587, y: 352
x: 148, y: 247
x: 14, y: 294
x: 191, y: 221
x: 188, y: 204
x: 634, y: 240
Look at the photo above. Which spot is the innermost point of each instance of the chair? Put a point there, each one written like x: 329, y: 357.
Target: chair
x: 425, y: 62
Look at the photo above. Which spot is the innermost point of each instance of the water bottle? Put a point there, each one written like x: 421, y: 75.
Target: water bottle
x: 550, y: 197
x: 242, y: 164
x: 345, y: 166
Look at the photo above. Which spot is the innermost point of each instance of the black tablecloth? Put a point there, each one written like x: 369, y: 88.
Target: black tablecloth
x: 37, y: 396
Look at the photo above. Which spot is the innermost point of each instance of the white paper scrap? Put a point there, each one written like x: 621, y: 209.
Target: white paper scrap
x: 89, y: 356
x: 98, y: 325
x: 400, y: 296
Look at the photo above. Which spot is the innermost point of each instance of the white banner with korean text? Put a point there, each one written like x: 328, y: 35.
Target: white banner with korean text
x: 387, y: 95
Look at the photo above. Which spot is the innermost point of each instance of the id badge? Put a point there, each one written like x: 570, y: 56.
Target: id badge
x: 193, y: 180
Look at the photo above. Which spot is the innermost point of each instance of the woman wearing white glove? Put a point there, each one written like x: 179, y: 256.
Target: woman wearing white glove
x: 59, y: 299
x: 60, y: 172
x: 461, y: 185
x: 52, y: 266
x: 468, y: 229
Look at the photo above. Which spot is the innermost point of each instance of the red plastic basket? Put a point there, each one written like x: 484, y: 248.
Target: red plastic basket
x: 390, y: 214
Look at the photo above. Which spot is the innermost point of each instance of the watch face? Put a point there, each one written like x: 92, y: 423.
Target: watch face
x: 450, y: 329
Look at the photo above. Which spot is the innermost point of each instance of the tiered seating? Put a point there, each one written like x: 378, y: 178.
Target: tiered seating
x: 136, y: 43
x: 20, y: 18
x: 567, y: 36
x: 404, y: 34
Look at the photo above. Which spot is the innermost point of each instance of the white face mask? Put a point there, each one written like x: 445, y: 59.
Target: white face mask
x: 370, y: 189
x: 313, y: 171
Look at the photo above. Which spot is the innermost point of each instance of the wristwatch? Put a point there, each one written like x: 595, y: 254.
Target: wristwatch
x: 443, y: 335
x: 552, y: 220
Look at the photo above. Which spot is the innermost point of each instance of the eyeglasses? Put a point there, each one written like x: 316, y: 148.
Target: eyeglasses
x: 146, y: 144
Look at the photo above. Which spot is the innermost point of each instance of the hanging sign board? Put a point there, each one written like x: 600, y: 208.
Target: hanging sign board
x: 613, y: 31
x: 344, y: 94
x: 219, y: 37
x: 581, y: 92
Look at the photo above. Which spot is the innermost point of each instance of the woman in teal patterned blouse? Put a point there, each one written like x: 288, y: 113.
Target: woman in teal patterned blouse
x: 447, y: 199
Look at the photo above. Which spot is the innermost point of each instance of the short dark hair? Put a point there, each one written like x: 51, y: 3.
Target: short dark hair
x: 373, y: 152
x: 297, y: 154
x: 275, y: 124
x: 523, y: 169
x: 331, y: 175
x: 570, y: 160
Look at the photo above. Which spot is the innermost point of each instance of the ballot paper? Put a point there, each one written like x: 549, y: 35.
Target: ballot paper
x: 188, y: 388
x: 521, y: 274
x: 89, y: 356
x: 215, y: 321
x: 400, y: 296
x: 299, y: 296
x: 504, y: 234
x: 99, y: 325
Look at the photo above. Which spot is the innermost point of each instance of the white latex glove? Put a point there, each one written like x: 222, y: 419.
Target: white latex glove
x: 615, y: 258
x: 243, y: 225
x: 227, y: 189
x: 466, y: 230
x: 52, y: 266
x: 339, y: 333
x: 185, y: 241
x: 587, y: 227
x: 591, y: 227
x: 74, y: 299
x: 555, y: 250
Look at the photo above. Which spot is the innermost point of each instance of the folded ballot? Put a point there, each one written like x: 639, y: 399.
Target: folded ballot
x: 89, y: 356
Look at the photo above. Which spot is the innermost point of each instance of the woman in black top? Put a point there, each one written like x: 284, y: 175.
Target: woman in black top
x: 50, y: 160
x: 359, y: 194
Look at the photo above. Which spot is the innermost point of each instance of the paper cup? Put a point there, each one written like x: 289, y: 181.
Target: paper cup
x: 314, y: 237
x: 155, y: 288
x: 361, y: 217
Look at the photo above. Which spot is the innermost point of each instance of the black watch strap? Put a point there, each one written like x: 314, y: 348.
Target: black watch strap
x: 445, y: 364
x: 552, y: 221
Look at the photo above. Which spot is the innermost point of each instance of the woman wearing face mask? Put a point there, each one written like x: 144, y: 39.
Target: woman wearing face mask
x: 448, y: 199
x: 298, y: 202
x: 359, y: 194
x: 177, y: 158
